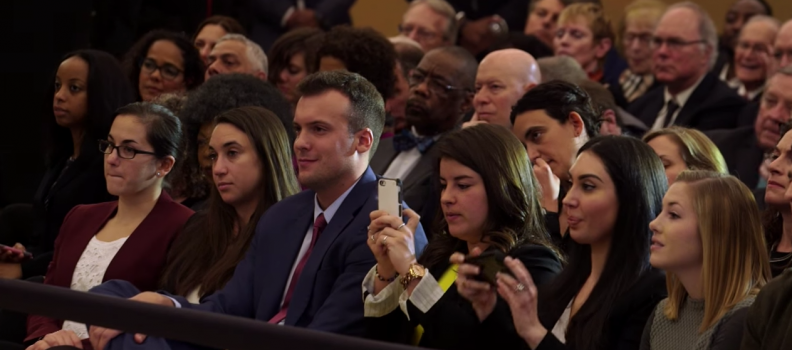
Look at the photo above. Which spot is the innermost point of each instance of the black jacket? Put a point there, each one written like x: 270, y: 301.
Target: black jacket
x: 83, y: 182
x: 712, y: 105
x: 740, y: 149
x: 452, y: 323
x: 768, y: 325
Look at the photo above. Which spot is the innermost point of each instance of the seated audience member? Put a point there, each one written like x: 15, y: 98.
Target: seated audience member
x: 584, y: 34
x: 362, y: 51
x: 608, y: 290
x: 211, y: 30
x: 615, y: 120
x: 708, y: 240
x: 778, y: 216
x: 486, y: 23
x: 635, y: 30
x: 408, y: 55
x: 553, y: 121
x: 441, y: 92
x: 683, y: 149
x: 542, y: 20
x: 782, y: 57
x: 503, y: 77
x: 163, y: 62
x: 291, y: 59
x: 87, y: 88
x: 218, y: 95
x: 431, y: 23
x: 411, y: 300
x: 562, y: 68
x: 140, y: 151
x: 745, y: 148
x: 684, y: 45
x: 234, y: 53
x: 252, y: 170
x: 338, y: 121
x: 736, y: 17
x: 768, y: 324
x: 752, y: 56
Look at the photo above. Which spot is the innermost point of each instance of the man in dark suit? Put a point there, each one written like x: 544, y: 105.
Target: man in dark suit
x: 441, y: 92
x: 685, y: 43
x: 272, y: 18
x: 309, y: 256
x: 744, y: 148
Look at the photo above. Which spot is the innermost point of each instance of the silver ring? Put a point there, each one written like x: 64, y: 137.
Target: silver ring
x: 400, y: 226
x: 383, y: 239
x: 372, y: 238
x: 520, y: 287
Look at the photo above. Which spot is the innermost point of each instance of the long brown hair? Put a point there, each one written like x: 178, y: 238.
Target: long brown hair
x: 735, y: 263
x: 208, y: 250
x: 696, y: 149
x: 515, y: 215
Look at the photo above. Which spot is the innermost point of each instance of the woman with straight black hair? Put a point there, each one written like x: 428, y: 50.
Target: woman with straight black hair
x: 608, y: 290
x: 87, y: 88
x: 163, y: 62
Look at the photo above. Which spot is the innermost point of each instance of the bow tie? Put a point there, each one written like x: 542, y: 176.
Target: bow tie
x: 406, y: 141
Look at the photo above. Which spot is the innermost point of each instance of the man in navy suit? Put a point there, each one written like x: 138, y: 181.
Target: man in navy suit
x: 297, y: 273
x: 272, y: 18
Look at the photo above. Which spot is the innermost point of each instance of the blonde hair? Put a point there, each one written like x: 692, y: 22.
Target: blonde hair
x: 735, y: 260
x: 647, y: 11
x: 599, y: 25
x: 697, y: 150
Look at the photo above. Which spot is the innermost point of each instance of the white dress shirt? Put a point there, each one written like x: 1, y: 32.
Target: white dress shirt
x: 426, y: 293
x: 405, y: 162
x: 681, y: 98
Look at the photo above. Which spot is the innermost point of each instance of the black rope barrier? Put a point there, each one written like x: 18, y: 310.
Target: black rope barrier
x: 195, y: 327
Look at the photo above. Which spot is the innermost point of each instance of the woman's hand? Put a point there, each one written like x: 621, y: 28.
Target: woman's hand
x: 481, y: 295
x: 396, y: 238
x: 12, y: 257
x: 59, y: 338
x: 521, y: 295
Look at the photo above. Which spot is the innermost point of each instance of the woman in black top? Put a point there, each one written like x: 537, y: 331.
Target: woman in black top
x: 777, y: 215
x: 88, y: 87
x: 490, y: 202
x: 608, y: 290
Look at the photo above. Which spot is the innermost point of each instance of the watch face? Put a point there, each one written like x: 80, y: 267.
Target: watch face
x: 418, y: 270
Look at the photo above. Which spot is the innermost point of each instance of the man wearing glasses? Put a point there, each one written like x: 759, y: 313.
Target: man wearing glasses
x: 441, y: 93
x: 684, y: 44
x: 432, y: 23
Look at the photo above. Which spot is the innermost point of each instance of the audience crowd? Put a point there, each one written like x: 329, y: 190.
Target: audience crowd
x: 564, y: 181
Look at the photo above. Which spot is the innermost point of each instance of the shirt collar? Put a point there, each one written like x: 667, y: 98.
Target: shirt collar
x: 684, y: 95
x: 332, y: 208
x: 415, y: 132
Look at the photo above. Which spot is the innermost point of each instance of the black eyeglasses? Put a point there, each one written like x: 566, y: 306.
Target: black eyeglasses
x: 124, y: 152
x: 168, y: 71
x: 673, y: 43
x: 416, y: 78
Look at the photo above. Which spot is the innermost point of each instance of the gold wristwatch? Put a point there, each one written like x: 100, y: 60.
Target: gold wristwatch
x: 415, y: 272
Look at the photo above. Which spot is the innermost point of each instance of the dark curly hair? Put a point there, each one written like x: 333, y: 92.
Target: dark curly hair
x: 365, y: 52
x: 223, y: 93
x: 302, y: 40
x: 193, y: 65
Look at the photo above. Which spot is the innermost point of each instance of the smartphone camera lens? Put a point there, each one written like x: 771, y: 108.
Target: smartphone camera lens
x: 382, y: 182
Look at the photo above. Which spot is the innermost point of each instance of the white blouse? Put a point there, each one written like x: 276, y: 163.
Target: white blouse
x: 90, y: 271
x: 560, y: 328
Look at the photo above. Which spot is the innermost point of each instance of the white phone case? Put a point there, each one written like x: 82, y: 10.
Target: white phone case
x: 389, y: 191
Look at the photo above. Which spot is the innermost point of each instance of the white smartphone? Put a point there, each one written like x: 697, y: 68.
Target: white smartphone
x: 390, y: 197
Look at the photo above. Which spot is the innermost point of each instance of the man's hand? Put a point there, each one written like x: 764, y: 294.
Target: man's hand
x: 100, y: 336
x: 476, y: 35
x: 474, y: 121
x: 59, y: 338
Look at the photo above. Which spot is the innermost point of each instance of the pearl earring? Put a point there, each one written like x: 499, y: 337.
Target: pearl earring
x: 158, y: 174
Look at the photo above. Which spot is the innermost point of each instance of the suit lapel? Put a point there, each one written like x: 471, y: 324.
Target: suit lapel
x: 693, y: 103
x: 423, y: 169
x: 383, y: 157
x: 279, y: 252
x: 653, y: 106
x: 346, y: 213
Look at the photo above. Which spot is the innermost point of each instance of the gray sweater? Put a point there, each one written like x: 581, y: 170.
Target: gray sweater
x: 683, y: 334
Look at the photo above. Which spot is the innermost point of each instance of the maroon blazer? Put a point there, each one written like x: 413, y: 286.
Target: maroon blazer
x: 139, y: 261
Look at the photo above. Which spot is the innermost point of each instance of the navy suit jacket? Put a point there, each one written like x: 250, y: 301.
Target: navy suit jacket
x: 712, y: 105
x: 327, y: 295
x: 268, y: 15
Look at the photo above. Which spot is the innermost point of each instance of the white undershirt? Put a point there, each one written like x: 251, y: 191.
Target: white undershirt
x: 90, y: 271
x: 560, y: 328
x: 403, y: 164
x: 681, y: 98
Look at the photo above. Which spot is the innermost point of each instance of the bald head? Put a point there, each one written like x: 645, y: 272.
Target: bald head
x: 503, y: 77
x: 782, y: 49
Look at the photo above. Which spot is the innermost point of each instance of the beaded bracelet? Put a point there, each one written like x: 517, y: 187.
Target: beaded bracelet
x: 376, y: 272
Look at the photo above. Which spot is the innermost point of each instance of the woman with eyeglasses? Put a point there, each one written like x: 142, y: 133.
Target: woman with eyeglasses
x: 127, y: 239
x: 163, y: 62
